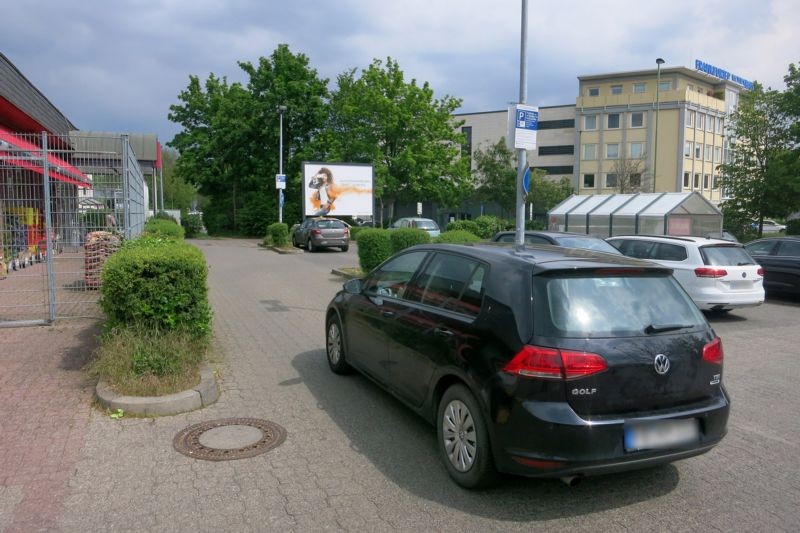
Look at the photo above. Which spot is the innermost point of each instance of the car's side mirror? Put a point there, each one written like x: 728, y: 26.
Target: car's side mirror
x: 353, y: 286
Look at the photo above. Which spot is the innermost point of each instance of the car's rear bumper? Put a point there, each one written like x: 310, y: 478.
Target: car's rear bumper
x: 551, y: 440
x: 330, y: 243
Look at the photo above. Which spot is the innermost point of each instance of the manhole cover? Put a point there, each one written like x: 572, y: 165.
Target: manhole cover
x: 229, y: 438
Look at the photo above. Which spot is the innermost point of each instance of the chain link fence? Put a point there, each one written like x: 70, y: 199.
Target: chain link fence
x: 66, y: 202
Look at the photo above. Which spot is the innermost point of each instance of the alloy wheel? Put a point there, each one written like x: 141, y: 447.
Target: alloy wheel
x: 459, y: 435
x: 334, y: 343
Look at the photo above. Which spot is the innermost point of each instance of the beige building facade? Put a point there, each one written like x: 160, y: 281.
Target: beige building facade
x: 618, y: 116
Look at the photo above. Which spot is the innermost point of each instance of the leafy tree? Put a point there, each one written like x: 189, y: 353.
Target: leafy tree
x: 402, y: 130
x: 177, y: 193
x: 230, y: 138
x: 762, y: 177
x: 545, y: 193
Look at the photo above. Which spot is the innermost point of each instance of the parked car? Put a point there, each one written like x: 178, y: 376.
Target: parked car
x: 727, y: 236
x: 559, y: 238
x: 318, y: 233
x: 770, y: 226
x: 542, y: 363
x: 420, y: 223
x: 719, y: 275
x: 780, y: 259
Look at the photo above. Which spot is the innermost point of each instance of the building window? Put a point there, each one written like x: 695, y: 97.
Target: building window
x: 611, y: 181
x: 590, y: 122
x: 686, y: 179
x: 616, y: 89
x: 639, y: 88
x: 690, y: 119
x: 552, y: 170
x: 588, y: 181
x: 664, y: 86
x: 636, y: 150
x: 710, y: 124
x: 698, y: 151
x: 720, y: 124
x: 590, y: 151
x: 708, y: 152
x: 637, y: 120
x: 466, y: 147
x: 715, y: 182
x: 706, y: 181
x: 700, y: 121
x: 556, y: 124
x: 717, y: 154
x: 613, y: 121
x: 688, y: 146
x: 697, y: 181
x: 612, y: 151
x: 594, y: 91
x: 564, y: 149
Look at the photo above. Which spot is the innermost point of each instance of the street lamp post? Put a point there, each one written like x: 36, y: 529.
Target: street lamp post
x: 281, y: 110
x: 659, y: 62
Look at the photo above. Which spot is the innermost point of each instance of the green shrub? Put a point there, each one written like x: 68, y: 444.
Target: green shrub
x: 793, y: 227
x: 535, y: 225
x: 157, y: 284
x: 374, y: 247
x: 163, y: 215
x: 489, y: 225
x: 192, y: 224
x: 165, y: 228
x: 457, y: 237
x: 464, y: 225
x: 354, y: 231
x: 278, y: 233
x: 405, y: 237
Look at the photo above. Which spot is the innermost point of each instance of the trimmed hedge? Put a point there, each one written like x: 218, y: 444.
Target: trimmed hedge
x: 457, y: 237
x: 463, y: 225
x: 165, y: 228
x: 278, y: 233
x: 374, y: 247
x: 157, y: 283
x: 405, y: 237
x: 354, y: 231
x: 192, y: 224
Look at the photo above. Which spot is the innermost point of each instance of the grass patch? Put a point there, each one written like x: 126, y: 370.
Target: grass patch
x: 146, y: 362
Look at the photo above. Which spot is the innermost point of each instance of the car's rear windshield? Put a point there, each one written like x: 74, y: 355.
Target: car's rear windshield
x: 726, y: 256
x: 611, y: 305
x: 425, y: 224
x: 588, y: 243
x: 330, y: 224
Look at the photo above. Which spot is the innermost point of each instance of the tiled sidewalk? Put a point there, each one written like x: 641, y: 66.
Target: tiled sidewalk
x: 45, y: 401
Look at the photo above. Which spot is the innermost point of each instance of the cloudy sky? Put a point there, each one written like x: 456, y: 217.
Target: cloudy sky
x: 117, y: 65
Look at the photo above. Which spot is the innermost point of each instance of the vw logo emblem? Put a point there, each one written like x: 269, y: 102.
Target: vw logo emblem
x: 661, y: 364
x: 744, y: 274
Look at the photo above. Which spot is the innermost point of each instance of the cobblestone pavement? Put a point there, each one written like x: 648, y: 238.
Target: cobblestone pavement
x: 355, y: 459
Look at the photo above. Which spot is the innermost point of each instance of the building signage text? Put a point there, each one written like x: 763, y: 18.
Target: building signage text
x: 722, y: 74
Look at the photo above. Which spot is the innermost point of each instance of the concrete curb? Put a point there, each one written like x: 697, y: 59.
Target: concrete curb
x: 343, y: 274
x: 204, y: 394
x: 281, y: 250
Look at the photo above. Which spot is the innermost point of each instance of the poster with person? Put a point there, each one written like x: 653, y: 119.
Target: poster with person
x: 337, y: 189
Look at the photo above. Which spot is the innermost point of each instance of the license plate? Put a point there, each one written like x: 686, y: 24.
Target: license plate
x: 661, y: 434
x: 741, y: 285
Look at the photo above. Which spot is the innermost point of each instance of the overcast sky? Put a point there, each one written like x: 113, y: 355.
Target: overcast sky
x: 117, y: 65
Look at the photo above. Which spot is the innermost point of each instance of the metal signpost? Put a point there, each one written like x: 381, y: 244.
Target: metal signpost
x: 281, y: 111
x: 526, y: 118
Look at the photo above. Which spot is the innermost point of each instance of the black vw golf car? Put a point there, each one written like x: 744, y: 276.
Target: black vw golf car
x: 544, y: 362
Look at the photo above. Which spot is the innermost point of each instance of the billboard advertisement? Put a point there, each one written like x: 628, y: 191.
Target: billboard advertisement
x: 337, y: 189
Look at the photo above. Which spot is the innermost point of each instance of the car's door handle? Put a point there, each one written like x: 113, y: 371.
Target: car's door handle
x: 443, y: 332
x: 387, y: 314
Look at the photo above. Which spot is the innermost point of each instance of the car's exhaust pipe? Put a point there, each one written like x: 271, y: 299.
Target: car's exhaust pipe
x: 571, y: 481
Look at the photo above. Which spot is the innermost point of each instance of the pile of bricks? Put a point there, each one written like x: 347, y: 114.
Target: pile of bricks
x: 99, y: 245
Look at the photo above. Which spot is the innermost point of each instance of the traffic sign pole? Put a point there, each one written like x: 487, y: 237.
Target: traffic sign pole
x: 522, y: 154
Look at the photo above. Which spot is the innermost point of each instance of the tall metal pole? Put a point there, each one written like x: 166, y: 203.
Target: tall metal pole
x: 522, y: 154
x: 49, y: 231
x: 281, y: 110
x: 161, y: 173
x: 659, y: 62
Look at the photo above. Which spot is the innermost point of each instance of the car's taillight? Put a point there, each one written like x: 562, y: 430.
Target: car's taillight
x: 346, y: 231
x: 760, y: 272
x: 549, y: 363
x: 316, y: 232
x: 706, y: 272
x: 713, y: 353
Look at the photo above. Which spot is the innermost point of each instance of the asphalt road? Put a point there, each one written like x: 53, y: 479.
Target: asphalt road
x: 356, y: 459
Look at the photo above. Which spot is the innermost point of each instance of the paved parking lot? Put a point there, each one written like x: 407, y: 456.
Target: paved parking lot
x: 356, y: 459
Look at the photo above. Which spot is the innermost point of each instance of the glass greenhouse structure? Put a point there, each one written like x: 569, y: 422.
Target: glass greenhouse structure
x: 606, y: 215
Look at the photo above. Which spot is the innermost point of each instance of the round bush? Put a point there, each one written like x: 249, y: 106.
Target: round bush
x: 489, y: 225
x: 374, y: 247
x: 463, y: 225
x: 278, y: 233
x: 457, y: 237
x: 162, y: 227
x: 405, y: 237
x: 192, y: 224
